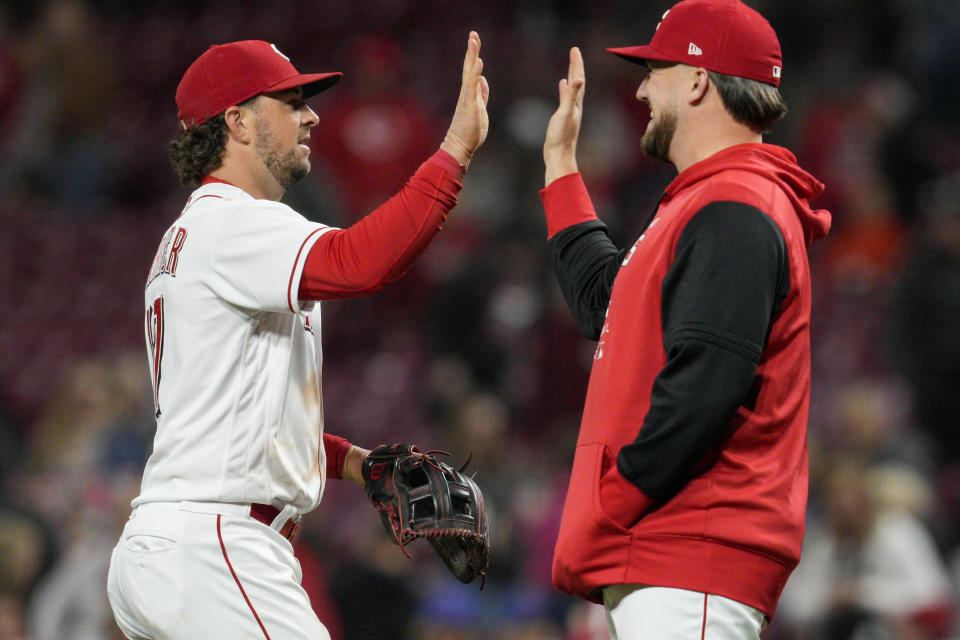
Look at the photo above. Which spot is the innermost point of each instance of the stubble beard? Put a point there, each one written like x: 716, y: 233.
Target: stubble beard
x: 657, y: 138
x: 286, y: 169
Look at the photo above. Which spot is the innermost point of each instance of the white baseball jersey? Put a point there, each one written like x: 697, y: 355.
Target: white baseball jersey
x: 235, y: 358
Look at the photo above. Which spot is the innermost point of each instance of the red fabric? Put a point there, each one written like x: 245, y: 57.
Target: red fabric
x: 213, y: 180
x: 736, y: 529
x: 725, y: 36
x: 934, y: 621
x: 336, y: 449
x: 293, y: 269
x: 626, y: 503
x: 567, y: 203
x: 361, y: 260
x: 228, y: 74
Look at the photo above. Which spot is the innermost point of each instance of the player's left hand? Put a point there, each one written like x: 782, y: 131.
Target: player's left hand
x: 470, y: 122
x: 418, y: 496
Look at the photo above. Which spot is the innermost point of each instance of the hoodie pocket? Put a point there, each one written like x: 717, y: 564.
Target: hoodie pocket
x: 618, y: 499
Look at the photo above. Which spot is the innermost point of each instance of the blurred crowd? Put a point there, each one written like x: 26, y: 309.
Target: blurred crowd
x: 473, y: 351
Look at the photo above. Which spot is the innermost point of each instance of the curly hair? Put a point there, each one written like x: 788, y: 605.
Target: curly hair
x: 755, y: 104
x: 198, y: 151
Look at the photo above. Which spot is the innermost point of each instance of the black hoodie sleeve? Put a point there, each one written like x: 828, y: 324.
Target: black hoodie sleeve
x: 586, y: 262
x: 729, y: 277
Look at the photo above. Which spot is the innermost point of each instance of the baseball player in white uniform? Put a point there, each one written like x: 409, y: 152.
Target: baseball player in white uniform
x: 232, y: 320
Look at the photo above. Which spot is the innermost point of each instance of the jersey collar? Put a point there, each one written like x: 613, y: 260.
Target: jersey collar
x: 212, y: 187
x: 211, y: 180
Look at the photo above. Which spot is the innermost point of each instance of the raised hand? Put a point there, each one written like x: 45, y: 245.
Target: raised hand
x: 563, y: 130
x: 470, y: 122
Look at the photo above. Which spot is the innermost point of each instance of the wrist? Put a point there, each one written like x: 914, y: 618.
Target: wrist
x: 458, y: 150
x: 353, y: 464
x: 559, y: 165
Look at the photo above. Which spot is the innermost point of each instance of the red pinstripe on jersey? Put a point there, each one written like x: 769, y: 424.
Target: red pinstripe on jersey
x: 703, y: 629
x: 237, y: 580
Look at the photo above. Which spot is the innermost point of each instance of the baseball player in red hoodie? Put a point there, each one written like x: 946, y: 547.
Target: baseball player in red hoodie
x: 232, y: 325
x: 685, y: 509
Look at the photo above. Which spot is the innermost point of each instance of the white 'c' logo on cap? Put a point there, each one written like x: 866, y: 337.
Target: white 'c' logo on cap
x: 661, y: 18
x: 279, y: 53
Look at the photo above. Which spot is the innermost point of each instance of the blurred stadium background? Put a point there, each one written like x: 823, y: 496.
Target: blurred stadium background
x: 473, y: 351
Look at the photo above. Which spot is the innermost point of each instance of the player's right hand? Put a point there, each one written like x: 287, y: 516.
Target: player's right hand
x: 470, y: 122
x: 563, y: 130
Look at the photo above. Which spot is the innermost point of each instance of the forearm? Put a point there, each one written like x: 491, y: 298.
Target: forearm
x: 585, y: 263
x: 559, y: 164
x: 378, y: 249
x: 343, y: 458
x: 584, y: 259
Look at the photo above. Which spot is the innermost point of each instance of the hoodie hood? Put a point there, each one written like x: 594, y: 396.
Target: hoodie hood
x: 773, y: 162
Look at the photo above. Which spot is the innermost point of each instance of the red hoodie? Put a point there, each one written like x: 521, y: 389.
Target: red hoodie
x: 735, y: 527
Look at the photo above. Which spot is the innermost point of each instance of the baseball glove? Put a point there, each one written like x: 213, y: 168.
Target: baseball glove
x: 418, y: 496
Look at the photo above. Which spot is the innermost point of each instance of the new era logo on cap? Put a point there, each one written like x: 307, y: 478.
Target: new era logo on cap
x: 725, y: 36
x: 228, y: 74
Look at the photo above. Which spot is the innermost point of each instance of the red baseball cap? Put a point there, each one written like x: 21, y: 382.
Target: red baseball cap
x: 725, y: 36
x: 228, y: 74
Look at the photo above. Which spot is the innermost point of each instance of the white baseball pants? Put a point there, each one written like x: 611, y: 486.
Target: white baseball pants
x: 640, y: 612
x: 192, y: 571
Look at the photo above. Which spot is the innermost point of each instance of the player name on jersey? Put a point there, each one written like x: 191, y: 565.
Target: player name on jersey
x: 168, y: 253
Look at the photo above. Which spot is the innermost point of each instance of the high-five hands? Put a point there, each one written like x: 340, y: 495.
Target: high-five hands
x: 470, y: 122
x: 563, y: 130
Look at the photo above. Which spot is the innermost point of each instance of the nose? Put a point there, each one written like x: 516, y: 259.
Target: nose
x: 642, y: 89
x: 308, y: 117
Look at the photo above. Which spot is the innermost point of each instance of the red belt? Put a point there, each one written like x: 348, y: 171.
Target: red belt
x: 266, y: 514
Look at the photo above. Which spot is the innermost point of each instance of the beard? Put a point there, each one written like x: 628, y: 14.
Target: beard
x: 657, y: 138
x: 286, y: 168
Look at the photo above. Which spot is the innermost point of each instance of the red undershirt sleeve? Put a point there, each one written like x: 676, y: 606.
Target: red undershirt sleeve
x: 378, y: 249
x: 336, y: 449
x: 566, y: 203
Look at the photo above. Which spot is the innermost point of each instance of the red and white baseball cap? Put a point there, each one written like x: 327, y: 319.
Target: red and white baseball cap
x: 725, y: 36
x: 228, y: 74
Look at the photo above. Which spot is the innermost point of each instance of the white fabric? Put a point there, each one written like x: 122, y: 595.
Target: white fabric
x: 640, y: 612
x: 905, y: 573
x: 170, y: 578
x: 896, y: 571
x: 235, y: 357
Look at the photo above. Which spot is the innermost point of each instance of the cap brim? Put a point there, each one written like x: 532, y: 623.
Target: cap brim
x: 312, y: 83
x: 639, y: 54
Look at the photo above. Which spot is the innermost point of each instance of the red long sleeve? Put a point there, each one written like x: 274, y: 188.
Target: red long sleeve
x: 336, y: 449
x: 361, y: 260
x: 566, y: 203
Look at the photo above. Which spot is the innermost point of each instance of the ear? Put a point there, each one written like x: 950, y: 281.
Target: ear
x: 239, y: 123
x: 699, y: 83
